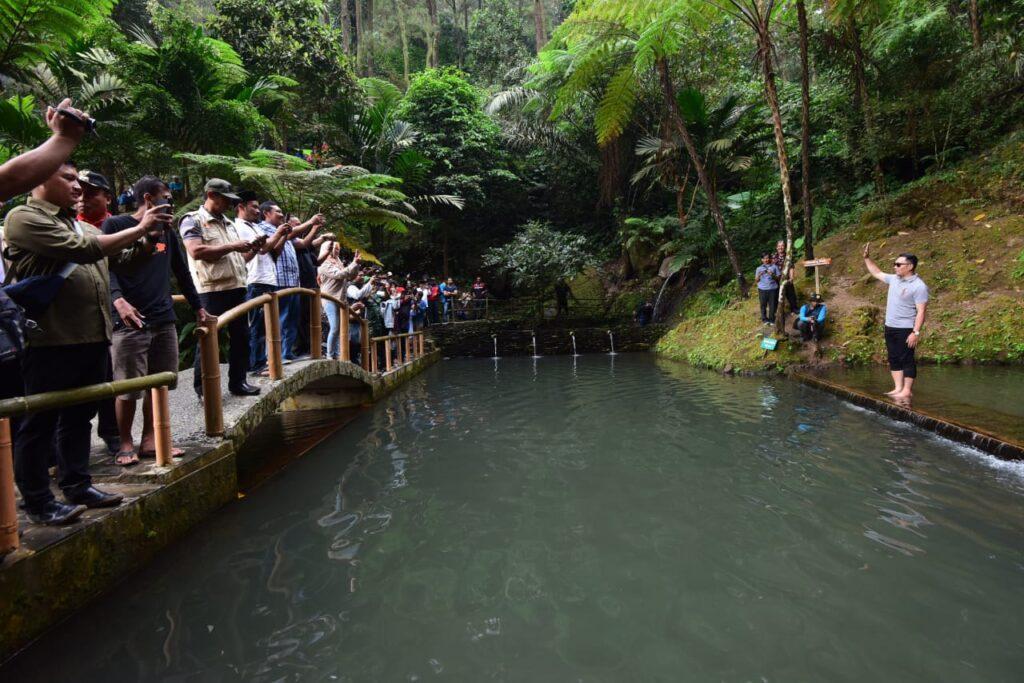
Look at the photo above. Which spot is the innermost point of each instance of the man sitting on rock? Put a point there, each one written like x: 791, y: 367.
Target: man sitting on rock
x: 811, y: 320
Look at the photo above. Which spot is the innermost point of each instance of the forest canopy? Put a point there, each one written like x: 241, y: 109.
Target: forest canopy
x: 697, y: 131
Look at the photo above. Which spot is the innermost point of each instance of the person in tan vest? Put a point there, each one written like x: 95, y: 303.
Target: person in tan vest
x: 216, y: 259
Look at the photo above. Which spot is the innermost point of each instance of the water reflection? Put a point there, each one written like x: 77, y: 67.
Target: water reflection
x: 544, y: 523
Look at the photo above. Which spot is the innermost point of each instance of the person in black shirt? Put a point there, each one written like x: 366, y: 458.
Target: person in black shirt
x: 145, y: 340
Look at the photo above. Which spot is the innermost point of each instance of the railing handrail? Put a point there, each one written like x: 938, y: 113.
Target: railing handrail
x: 53, y: 400
x: 396, y: 336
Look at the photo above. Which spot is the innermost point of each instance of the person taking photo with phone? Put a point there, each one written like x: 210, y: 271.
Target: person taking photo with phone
x: 145, y: 340
x: 68, y: 348
x: 905, y: 310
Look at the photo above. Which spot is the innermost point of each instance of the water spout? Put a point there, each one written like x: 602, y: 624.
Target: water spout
x: 572, y: 335
x: 495, y: 338
x: 611, y: 343
x: 535, y: 354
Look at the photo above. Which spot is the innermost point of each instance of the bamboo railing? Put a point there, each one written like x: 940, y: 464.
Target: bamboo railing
x: 399, y: 350
x: 53, y: 400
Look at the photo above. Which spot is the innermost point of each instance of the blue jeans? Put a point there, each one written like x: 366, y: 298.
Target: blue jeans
x: 334, y: 320
x: 257, y: 328
x: 290, y: 316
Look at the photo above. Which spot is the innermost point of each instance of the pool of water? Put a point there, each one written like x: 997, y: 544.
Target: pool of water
x: 985, y: 397
x: 591, y: 519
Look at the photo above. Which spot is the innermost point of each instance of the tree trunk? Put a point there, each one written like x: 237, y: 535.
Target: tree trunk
x: 668, y: 91
x: 360, y: 47
x: 805, y: 136
x: 345, y: 19
x: 433, y: 32
x: 403, y: 33
x: 765, y: 48
x: 368, y: 32
x: 540, y: 35
x: 860, y: 76
x: 975, y: 22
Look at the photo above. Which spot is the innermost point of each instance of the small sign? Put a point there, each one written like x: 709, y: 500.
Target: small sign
x: 818, y: 262
x: 769, y: 343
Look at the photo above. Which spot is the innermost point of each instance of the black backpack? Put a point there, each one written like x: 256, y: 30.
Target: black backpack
x: 12, y: 329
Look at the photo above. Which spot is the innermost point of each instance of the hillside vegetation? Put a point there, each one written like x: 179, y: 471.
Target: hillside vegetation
x: 967, y: 227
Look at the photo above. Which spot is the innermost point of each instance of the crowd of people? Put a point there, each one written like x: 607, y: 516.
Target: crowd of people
x: 87, y: 298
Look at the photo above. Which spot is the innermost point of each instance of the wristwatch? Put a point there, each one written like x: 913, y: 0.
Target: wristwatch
x: 916, y: 333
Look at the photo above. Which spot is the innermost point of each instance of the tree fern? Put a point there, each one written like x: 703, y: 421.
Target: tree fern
x: 31, y: 31
x: 616, y: 107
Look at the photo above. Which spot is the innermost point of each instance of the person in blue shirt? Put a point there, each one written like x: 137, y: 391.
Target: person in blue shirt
x: 767, y: 277
x: 811, y: 321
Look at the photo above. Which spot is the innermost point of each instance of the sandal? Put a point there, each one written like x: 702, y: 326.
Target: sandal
x: 126, y: 458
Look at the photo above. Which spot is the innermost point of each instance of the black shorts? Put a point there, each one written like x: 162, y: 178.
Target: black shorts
x: 901, y: 356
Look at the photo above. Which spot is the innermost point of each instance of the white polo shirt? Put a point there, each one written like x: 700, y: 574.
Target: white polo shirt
x: 261, y: 269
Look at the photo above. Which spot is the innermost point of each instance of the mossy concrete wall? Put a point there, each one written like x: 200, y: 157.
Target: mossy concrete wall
x: 476, y: 339
x: 41, y: 586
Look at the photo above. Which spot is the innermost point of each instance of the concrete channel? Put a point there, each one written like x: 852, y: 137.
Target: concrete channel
x: 59, y: 570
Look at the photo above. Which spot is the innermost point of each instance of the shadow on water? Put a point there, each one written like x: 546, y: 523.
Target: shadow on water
x: 595, y: 518
x: 283, y: 438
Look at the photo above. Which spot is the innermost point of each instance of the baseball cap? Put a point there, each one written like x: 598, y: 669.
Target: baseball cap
x: 221, y: 187
x: 94, y: 179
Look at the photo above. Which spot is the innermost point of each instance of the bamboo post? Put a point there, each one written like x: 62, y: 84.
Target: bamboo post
x: 387, y: 354
x: 162, y: 425
x: 423, y: 345
x: 364, y: 343
x: 315, y: 330
x: 343, y: 322
x: 8, y: 510
x: 209, y: 362
x: 272, y: 327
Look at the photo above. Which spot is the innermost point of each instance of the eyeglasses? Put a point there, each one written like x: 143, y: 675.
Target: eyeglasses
x: 900, y: 263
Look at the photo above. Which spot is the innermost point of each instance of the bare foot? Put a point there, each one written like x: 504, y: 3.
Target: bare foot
x: 903, y: 398
x: 893, y: 392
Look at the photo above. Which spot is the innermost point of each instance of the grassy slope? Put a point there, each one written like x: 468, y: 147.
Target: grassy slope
x: 966, y: 226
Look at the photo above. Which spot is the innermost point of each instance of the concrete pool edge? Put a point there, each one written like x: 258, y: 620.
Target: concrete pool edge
x: 41, y: 587
x: 995, y: 445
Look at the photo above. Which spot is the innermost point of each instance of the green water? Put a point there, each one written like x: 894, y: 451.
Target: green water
x: 597, y: 519
x: 989, y: 398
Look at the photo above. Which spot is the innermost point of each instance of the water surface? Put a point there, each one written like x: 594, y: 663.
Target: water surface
x: 591, y: 519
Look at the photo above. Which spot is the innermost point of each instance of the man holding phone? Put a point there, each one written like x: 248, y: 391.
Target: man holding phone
x: 145, y: 340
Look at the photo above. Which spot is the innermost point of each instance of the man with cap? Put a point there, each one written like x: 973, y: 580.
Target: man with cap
x: 217, y: 258
x: 94, y: 207
x: 69, y: 346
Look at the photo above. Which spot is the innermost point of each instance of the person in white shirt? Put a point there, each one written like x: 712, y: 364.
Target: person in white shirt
x: 905, y: 311
x: 261, y: 271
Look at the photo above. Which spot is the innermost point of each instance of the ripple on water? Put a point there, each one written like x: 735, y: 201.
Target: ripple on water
x: 604, y: 519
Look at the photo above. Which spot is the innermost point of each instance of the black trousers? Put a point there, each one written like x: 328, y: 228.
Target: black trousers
x: 901, y: 356
x: 107, y: 425
x: 216, y: 303
x: 63, y: 435
x: 789, y: 291
x: 809, y: 329
x: 769, y: 300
